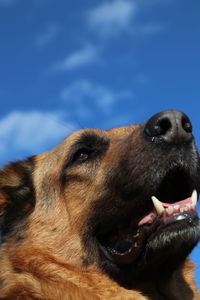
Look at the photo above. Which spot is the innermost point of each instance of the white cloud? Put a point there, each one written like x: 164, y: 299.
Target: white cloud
x: 84, y: 56
x: 46, y: 36
x: 83, y: 92
x: 109, y: 19
x: 30, y: 132
x: 112, y: 18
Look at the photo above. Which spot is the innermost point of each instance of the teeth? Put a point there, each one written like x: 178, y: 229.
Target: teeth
x: 194, y: 198
x: 170, y: 210
x: 158, y: 205
x: 176, y: 207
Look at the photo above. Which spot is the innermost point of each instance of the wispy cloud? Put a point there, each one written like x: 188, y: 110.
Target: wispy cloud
x: 107, y: 20
x: 46, y: 36
x: 79, y: 58
x: 30, y: 132
x: 84, y: 95
x: 112, y: 18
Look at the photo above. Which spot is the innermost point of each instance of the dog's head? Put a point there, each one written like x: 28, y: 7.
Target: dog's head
x: 94, y: 198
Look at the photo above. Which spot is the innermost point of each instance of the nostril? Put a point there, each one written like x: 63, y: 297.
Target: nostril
x: 158, y: 127
x: 165, y: 125
x: 187, y: 126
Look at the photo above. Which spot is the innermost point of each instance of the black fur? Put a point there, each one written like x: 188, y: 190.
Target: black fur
x: 20, y: 199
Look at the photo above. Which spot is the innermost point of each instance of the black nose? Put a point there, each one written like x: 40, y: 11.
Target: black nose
x: 169, y: 126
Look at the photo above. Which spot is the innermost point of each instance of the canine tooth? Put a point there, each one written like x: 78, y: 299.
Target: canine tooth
x: 158, y: 205
x: 170, y: 210
x: 194, y: 198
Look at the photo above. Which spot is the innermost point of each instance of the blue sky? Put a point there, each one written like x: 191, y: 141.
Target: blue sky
x: 65, y: 65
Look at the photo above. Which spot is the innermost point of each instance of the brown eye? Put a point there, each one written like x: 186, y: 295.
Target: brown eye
x: 82, y: 155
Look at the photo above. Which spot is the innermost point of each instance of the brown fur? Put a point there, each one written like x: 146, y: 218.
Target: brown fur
x: 43, y: 253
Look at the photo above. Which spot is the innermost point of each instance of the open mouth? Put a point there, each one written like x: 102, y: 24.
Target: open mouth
x: 124, y: 243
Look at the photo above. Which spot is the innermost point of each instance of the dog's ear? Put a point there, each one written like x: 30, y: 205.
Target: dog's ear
x: 16, y: 193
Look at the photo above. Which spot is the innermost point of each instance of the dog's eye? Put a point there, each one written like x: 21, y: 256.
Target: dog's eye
x: 82, y: 155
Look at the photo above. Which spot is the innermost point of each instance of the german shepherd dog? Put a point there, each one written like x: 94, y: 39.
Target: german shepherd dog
x: 104, y: 215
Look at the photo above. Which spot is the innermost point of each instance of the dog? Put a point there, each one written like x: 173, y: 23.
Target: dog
x: 104, y: 215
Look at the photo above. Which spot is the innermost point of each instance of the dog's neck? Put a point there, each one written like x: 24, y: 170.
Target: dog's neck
x: 165, y: 287
x: 89, y: 280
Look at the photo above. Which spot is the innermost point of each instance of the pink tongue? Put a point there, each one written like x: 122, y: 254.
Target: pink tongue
x: 148, y: 219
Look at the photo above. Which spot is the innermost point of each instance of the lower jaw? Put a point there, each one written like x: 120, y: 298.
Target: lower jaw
x: 133, y: 253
